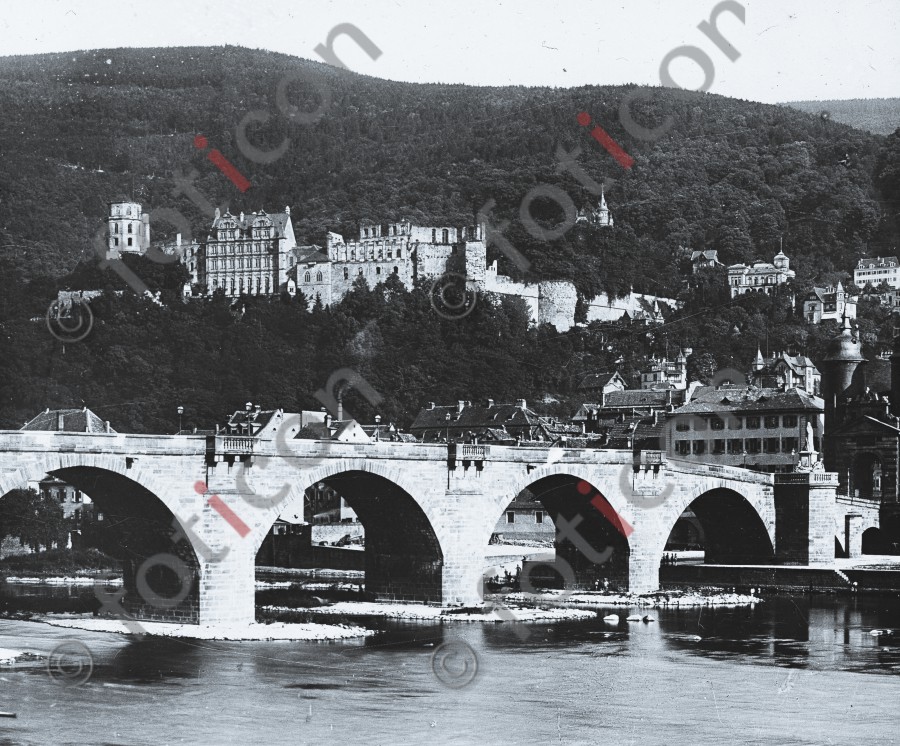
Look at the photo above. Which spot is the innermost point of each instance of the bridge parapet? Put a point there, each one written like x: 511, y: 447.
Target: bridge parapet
x: 816, y: 478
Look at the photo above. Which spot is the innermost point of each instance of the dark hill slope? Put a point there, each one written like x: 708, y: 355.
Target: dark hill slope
x: 78, y: 129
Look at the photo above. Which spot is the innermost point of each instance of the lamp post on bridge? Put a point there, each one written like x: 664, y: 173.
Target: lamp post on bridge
x: 180, y: 412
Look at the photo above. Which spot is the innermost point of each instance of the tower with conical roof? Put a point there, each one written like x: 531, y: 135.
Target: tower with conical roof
x: 842, y: 379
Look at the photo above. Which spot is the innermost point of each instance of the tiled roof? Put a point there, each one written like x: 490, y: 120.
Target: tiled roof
x: 309, y: 255
x: 68, y: 420
x: 750, y: 399
x: 475, y: 416
x: 597, y: 380
x: 875, y: 263
x: 642, y: 398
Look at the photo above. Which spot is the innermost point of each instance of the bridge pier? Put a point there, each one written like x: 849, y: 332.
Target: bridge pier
x: 804, y: 523
x: 228, y: 587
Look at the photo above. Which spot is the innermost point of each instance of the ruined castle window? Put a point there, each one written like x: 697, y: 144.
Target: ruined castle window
x: 446, y: 236
x: 318, y: 277
x: 130, y: 241
x: 130, y: 228
x: 396, y: 271
x: 267, y: 286
x: 346, y: 273
x: 306, y: 277
x: 434, y: 235
x: 399, y: 253
x: 377, y: 270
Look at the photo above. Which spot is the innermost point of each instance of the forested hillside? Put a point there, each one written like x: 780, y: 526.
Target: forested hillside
x: 81, y: 129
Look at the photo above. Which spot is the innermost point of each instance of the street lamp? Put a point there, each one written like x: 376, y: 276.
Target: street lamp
x: 180, y: 412
x: 448, y: 426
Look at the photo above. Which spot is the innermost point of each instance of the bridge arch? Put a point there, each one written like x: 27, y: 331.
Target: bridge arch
x: 161, y: 568
x: 403, y: 551
x: 592, y: 526
x: 737, y: 528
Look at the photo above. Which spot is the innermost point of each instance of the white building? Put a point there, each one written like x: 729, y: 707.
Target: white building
x: 760, y: 277
x: 832, y: 302
x: 875, y: 271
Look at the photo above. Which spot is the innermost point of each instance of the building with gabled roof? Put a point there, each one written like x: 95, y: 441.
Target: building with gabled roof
x: 68, y: 420
x: 829, y: 303
x: 705, y: 259
x: 466, y: 421
x: 784, y: 371
x: 596, y: 383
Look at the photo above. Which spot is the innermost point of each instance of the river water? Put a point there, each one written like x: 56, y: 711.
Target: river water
x: 802, y: 670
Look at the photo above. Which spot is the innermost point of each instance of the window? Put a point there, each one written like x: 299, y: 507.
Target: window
x: 360, y: 271
x: 446, y: 236
x: 683, y: 447
x: 510, y: 516
x: 399, y: 253
x: 682, y: 426
x: 735, y: 423
x: 699, y: 447
x: 130, y: 241
x: 78, y: 496
x: 538, y: 516
x: 318, y: 277
x: 789, y: 420
x: 130, y: 228
x: 377, y: 270
x: 306, y: 277
x: 434, y: 235
x: 788, y: 445
x: 346, y: 273
x: 116, y: 227
x: 753, y: 423
x: 736, y: 446
x: 718, y: 446
x: 115, y: 242
x: 700, y: 424
x: 396, y: 271
x: 717, y: 423
x: 753, y: 445
x: 771, y: 421
x: 772, y: 445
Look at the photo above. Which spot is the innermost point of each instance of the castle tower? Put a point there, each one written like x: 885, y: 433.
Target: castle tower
x: 842, y: 378
x: 129, y: 228
x: 602, y: 216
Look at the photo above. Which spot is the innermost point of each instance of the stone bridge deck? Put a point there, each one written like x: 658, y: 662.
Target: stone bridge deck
x: 428, y: 509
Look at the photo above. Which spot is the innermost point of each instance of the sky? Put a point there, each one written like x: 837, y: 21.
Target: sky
x: 788, y: 49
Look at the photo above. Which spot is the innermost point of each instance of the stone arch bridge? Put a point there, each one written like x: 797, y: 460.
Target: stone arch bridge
x: 428, y: 509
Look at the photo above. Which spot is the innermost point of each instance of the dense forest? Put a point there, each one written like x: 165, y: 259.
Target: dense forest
x: 84, y: 128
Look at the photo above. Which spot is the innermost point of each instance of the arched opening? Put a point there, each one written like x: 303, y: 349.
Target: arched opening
x: 588, y: 538
x: 866, y: 475
x: 126, y: 521
x: 720, y: 527
x: 357, y: 513
x: 873, y: 542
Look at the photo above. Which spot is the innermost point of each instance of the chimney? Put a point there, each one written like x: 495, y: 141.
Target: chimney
x: 340, y: 405
x: 106, y: 423
x: 178, y: 239
x: 60, y: 421
x: 520, y: 403
x: 460, y: 405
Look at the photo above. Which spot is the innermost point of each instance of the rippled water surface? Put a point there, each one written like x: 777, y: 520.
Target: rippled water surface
x: 789, y: 671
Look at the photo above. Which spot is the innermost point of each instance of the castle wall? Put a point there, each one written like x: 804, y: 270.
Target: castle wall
x: 556, y: 304
x: 604, y: 308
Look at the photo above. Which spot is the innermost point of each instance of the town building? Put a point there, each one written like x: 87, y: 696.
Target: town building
x: 760, y: 277
x: 756, y: 428
x: 489, y: 422
x: 662, y: 373
x: 783, y: 371
x: 68, y: 420
x: 829, y: 303
x: 875, y: 271
x: 594, y: 384
x: 705, y: 259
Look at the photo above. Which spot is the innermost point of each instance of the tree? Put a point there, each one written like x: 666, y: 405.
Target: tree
x: 35, y: 519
